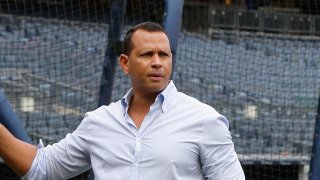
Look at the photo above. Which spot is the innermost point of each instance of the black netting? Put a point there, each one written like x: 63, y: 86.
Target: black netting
x: 256, y: 62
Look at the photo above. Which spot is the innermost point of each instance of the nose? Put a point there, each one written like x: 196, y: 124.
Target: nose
x: 156, y: 61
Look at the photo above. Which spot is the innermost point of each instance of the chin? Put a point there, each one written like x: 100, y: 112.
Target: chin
x: 157, y: 89
x: 156, y: 86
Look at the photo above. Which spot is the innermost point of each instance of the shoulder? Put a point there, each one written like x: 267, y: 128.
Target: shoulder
x: 114, y: 106
x: 194, y: 103
x: 104, y: 112
x: 204, y: 111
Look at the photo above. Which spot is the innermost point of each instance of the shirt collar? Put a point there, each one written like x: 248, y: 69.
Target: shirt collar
x: 125, y: 101
x: 169, y: 93
x: 165, y: 97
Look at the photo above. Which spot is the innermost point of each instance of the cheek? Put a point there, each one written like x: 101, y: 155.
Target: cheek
x: 169, y: 66
x: 136, y: 68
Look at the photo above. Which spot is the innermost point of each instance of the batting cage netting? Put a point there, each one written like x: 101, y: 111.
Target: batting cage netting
x: 255, y: 61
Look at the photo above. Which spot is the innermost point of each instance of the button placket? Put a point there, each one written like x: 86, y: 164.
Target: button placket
x: 138, y: 152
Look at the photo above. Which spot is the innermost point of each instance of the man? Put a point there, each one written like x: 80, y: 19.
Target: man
x: 153, y: 132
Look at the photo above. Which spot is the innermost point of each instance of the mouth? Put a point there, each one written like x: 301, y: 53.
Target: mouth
x: 156, y: 76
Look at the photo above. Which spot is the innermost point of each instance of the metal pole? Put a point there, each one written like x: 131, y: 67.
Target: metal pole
x: 110, y: 58
x: 314, y: 173
x: 172, y: 21
x: 9, y: 119
x: 172, y: 24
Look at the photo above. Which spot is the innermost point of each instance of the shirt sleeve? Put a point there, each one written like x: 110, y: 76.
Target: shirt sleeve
x: 64, y: 159
x: 218, y: 157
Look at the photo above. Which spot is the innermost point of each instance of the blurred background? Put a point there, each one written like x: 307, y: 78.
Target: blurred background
x: 255, y: 61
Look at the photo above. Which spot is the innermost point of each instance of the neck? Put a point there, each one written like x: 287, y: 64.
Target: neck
x: 143, y: 100
x: 140, y: 106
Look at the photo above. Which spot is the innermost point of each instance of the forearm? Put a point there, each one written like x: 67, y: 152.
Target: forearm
x: 16, y: 153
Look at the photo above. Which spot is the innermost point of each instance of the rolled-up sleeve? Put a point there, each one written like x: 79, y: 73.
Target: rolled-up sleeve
x: 218, y: 157
x: 36, y: 171
x: 64, y: 159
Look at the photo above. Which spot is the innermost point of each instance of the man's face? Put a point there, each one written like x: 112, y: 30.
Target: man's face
x: 149, y: 64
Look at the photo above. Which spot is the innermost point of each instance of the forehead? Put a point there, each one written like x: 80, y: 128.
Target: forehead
x: 142, y: 38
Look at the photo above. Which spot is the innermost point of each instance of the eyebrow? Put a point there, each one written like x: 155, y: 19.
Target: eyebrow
x: 149, y: 52
x: 161, y: 52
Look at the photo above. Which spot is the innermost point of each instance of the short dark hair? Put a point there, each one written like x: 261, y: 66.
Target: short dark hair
x: 147, y: 26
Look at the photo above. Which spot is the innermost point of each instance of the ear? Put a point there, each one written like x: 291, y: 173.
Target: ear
x: 124, y: 63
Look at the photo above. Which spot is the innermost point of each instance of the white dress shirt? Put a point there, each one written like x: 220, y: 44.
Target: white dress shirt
x: 180, y: 138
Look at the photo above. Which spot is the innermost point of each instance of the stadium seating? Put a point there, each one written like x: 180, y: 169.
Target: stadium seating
x: 60, y: 64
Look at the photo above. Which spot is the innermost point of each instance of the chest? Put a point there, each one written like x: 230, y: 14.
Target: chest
x: 159, y: 145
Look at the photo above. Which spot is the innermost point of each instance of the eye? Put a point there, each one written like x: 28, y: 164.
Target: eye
x: 164, y: 54
x: 147, y: 54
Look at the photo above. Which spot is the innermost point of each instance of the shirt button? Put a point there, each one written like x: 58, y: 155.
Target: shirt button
x: 136, y: 164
